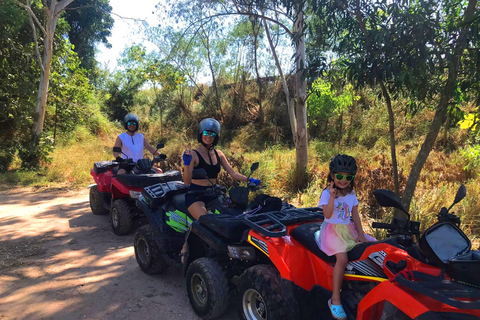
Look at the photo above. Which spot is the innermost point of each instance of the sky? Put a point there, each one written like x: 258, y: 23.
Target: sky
x: 122, y: 31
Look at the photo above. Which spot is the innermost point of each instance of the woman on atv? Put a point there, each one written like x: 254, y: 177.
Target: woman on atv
x: 207, y: 157
x: 132, y: 142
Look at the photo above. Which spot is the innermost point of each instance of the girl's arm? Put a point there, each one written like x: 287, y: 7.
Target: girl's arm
x: 358, y: 224
x: 224, y: 162
x: 328, y: 208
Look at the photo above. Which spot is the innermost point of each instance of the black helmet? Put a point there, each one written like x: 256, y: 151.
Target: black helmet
x: 343, y: 163
x: 131, y: 117
x: 208, y: 124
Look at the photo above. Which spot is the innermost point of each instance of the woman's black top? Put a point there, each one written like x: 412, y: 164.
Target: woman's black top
x: 212, y: 170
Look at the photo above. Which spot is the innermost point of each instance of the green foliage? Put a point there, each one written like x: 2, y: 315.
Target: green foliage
x: 324, y: 101
x: 471, y: 153
x: 18, y: 71
x: 90, y: 23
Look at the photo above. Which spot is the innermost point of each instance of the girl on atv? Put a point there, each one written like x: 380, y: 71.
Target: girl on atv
x: 132, y: 142
x: 338, y: 234
x: 207, y: 157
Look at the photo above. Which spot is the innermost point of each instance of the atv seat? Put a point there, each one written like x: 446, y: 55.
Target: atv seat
x: 145, y: 180
x: 305, y: 234
x: 178, y: 202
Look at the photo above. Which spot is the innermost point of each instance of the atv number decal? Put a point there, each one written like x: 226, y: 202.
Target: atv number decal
x: 178, y: 221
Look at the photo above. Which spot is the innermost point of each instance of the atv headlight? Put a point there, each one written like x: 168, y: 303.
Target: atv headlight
x: 135, y: 194
x: 241, y: 252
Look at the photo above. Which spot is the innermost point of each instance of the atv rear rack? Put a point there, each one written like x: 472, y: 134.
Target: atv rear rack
x: 156, y: 194
x: 274, y: 223
x: 454, y: 294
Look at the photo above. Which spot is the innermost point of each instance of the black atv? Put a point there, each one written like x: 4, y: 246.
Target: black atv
x: 158, y: 243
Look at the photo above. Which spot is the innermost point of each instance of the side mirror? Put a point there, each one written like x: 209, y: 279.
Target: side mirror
x: 254, y: 167
x: 199, y: 174
x: 160, y: 145
x: 461, y: 193
x: 387, y: 198
x: 117, y: 149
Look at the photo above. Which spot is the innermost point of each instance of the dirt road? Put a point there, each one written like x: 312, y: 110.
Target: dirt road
x: 59, y: 261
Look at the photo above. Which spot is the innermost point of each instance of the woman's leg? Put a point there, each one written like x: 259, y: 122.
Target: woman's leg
x: 197, y: 209
x: 338, y: 272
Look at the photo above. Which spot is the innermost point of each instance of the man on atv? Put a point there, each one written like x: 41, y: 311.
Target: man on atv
x: 132, y: 142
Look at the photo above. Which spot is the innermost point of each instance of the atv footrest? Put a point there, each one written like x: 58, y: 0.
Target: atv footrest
x: 454, y: 294
x: 273, y: 224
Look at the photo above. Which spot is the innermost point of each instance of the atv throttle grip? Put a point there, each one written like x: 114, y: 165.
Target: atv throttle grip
x: 379, y: 225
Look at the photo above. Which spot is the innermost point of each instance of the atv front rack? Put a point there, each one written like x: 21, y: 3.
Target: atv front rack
x: 454, y: 294
x: 274, y: 223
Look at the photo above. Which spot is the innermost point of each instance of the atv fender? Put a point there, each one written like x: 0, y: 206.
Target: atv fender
x: 371, y: 306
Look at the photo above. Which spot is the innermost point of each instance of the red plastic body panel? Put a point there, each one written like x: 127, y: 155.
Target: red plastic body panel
x: 300, y: 266
x: 103, y: 180
x: 120, y: 190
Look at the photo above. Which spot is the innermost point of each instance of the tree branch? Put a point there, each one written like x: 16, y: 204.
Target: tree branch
x: 30, y: 13
x: 35, y: 39
x: 60, y: 7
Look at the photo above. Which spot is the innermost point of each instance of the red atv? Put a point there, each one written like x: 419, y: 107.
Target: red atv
x: 274, y: 265
x: 117, y: 193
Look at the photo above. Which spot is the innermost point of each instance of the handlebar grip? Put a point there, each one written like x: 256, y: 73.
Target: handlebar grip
x: 380, y: 225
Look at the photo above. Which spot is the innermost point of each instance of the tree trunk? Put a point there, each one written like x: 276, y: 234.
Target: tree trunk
x: 301, y: 144
x: 214, y: 80
x: 391, y: 129
x: 289, y: 99
x: 45, y: 72
x: 259, y: 82
x: 442, y: 108
x: 53, y: 13
x: 445, y: 131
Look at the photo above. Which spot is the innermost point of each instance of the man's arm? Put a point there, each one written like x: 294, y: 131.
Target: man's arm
x: 149, y: 147
x: 118, y: 143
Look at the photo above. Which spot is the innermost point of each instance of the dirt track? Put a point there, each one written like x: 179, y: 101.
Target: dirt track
x: 59, y: 261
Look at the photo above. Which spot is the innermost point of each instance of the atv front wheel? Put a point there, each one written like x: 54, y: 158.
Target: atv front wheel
x: 148, y: 250
x: 96, y: 201
x: 207, y: 288
x: 260, y: 295
x: 122, y: 217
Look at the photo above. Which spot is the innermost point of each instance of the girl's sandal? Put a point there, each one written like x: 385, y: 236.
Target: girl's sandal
x: 337, y: 310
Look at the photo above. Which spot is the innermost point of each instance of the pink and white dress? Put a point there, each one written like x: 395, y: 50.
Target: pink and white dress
x: 338, y: 233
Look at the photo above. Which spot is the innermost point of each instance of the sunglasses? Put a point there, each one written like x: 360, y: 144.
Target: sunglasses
x: 131, y: 123
x: 347, y: 177
x: 209, y: 133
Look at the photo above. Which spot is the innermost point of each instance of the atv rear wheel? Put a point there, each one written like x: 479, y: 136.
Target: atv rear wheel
x: 96, y: 201
x: 207, y: 288
x: 260, y: 295
x: 121, y: 215
x: 149, y: 251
